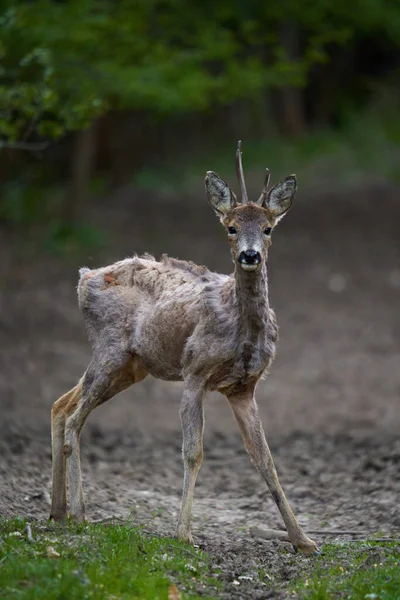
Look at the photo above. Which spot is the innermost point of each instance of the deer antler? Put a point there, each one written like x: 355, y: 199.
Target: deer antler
x: 239, y: 173
x: 264, y: 194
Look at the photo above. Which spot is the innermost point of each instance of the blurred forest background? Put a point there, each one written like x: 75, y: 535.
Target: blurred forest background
x: 97, y: 94
x: 110, y: 114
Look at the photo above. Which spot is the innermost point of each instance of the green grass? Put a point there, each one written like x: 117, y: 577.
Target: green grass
x: 120, y: 562
x: 97, y: 562
x: 353, y: 571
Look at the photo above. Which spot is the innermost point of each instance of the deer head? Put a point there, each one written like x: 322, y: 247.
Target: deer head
x: 249, y: 224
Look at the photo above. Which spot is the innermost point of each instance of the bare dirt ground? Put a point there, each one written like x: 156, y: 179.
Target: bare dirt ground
x: 330, y: 406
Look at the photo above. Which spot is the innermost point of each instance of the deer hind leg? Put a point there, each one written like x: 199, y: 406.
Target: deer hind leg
x: 245, y: 411
x: 192, y: 419
x: 58, y: 416
x: 99, y: 384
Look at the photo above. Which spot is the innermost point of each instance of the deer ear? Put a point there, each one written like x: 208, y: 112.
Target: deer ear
x: 280, y: 198
x: 219, y: 194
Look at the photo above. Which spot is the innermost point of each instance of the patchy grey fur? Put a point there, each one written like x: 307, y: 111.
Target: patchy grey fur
x: 183, y: 319
x: 179, y: 321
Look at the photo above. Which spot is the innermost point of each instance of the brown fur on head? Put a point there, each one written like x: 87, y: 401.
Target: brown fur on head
x: 249, y: 225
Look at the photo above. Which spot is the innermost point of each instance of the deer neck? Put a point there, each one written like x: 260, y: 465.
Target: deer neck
x: 251, y: 300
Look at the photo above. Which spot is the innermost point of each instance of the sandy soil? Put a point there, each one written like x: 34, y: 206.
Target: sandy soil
x: 330, y: 406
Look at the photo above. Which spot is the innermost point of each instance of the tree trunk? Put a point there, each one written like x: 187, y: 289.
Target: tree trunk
x: 81, y: 170
x: 292, y: 104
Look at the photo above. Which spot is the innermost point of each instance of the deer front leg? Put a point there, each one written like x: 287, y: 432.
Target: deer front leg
x: 192, y: 419
x: 245, y: 410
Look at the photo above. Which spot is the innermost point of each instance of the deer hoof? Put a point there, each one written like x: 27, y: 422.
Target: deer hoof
x: 307, y: 546
x: 185, y: 537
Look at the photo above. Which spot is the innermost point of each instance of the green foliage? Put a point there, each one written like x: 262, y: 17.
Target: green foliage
x: 65, y: 63
x: 96, y: 561
x: 45, y: 88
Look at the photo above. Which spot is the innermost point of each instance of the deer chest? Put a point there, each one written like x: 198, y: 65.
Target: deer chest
x: 249, y: 363
x: 254, y: 358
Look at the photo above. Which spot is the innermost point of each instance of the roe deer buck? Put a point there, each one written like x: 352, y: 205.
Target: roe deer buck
x: 178, y: 321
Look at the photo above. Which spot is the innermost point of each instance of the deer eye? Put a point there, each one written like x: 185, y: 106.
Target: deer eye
x: 232, y: 230
x: 267, y: 230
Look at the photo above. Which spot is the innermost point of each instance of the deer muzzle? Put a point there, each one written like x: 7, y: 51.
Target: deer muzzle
x: 249, y: 260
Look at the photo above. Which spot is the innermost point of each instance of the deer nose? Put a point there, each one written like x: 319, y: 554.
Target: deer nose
x: 249, y: 257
